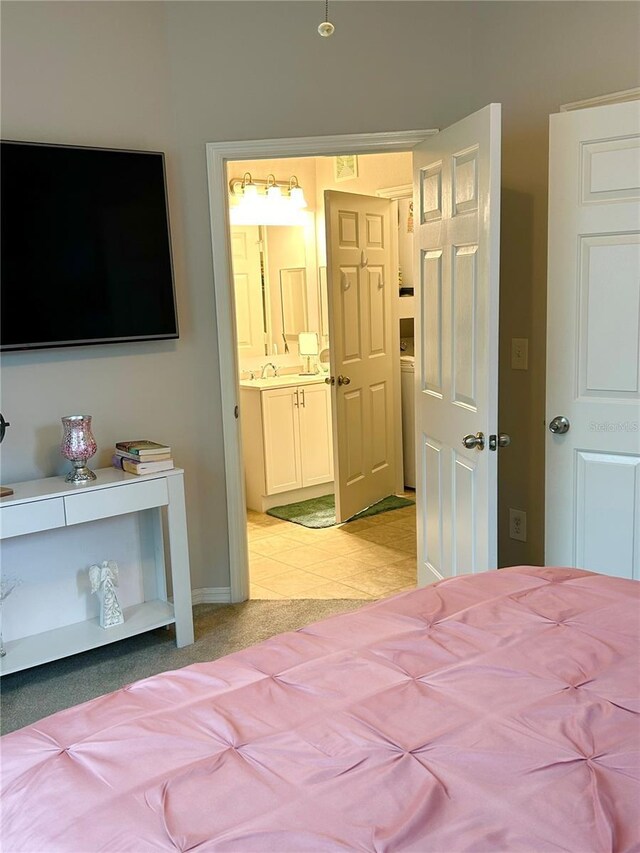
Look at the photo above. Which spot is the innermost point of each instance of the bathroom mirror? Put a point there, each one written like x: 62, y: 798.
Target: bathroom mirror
x: 286, y: 252
x: 293, y: 302
x: 276, y: 287
x: 324, y: 302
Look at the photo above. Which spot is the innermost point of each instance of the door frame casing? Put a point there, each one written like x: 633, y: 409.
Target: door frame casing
x: 218, y: 154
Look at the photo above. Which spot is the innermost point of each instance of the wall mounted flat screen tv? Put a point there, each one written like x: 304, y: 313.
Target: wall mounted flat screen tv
x: 86, y: 247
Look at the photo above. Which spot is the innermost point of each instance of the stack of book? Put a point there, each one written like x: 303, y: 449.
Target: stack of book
x: 142, y: 457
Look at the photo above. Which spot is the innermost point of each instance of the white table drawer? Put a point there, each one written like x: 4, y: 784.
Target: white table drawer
x: 132, y: 497
x: 31, y: 517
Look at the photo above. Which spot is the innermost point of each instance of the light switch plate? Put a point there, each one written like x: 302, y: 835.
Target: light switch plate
x: 520, y: 353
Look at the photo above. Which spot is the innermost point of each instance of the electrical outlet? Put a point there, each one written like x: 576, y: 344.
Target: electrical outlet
x: 518, y: 524
x: 520, y: 353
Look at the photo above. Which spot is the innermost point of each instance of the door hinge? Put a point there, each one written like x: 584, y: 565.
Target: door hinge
x: 236, y: 412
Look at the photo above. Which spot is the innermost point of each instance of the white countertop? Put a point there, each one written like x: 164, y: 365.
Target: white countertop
x: 286, y: 381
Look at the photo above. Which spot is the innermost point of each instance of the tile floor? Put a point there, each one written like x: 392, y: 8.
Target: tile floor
x: 370, y: 558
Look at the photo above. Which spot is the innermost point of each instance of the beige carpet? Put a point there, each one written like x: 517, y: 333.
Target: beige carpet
x: 220, y: 629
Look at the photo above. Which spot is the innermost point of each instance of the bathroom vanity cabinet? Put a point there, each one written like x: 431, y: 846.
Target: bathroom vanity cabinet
x: 287, y: 441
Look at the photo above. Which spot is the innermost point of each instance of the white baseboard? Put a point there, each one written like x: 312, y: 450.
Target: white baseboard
x: 211, y: 595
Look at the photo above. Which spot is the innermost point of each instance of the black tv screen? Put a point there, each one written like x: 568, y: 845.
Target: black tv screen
x: 86, y: 248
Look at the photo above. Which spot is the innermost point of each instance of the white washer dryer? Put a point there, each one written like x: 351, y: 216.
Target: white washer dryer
x: 408, y: 397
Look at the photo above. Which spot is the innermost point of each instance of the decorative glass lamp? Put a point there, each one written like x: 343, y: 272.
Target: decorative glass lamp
x: 78, y: 446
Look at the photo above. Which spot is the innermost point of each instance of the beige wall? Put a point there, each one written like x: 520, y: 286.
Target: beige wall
x: 98, y: 74
x: 375, y: 172
x: 177, y: 75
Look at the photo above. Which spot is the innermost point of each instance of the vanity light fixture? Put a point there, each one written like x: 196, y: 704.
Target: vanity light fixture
x: 274, y: 192
x: 295, y: 193
x: 266, y: 202
x: 249, y: 189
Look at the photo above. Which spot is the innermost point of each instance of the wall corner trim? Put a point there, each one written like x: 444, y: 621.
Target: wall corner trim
x: 603, y: 100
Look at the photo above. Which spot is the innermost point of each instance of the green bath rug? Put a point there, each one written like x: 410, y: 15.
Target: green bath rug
x: 321, y: 512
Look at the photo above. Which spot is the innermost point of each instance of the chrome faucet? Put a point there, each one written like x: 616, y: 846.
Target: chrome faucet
x: 266, y: 366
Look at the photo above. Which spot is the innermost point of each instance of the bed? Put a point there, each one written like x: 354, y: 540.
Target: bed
x: 490, y: 712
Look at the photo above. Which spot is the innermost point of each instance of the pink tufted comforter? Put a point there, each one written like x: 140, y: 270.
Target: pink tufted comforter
x: 495, y: 712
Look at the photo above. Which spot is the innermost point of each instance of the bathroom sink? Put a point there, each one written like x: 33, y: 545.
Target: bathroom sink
x: 281, y: 381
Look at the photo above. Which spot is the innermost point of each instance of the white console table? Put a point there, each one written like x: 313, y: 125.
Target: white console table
x: 40, y: 505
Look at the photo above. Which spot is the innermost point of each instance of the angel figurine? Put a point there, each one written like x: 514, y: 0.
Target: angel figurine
x: 104, y: 580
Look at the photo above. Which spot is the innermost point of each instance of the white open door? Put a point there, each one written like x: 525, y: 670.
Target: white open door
x: 457, y: 243
x: 593, y: 341
x: 364, y: 360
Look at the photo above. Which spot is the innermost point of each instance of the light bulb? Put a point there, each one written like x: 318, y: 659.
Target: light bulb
x: 297, y: 197
x: 250, y: 192
x: 326, y: 29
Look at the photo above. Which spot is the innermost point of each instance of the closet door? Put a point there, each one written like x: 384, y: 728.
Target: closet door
x: 593, y: 341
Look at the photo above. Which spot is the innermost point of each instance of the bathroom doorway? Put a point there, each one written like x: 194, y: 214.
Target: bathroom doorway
x: 218, y: 155
x: 280, y: 292
x: 457, y: 177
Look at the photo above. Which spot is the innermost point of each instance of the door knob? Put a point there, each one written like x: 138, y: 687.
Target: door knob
x: 503, y: 439
x: 343, y: 380
x: 471, y: 441
x: 559, y: 425
x: 330, y: 380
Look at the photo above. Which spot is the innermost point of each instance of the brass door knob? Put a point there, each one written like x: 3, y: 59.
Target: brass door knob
x: 343, y: 380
